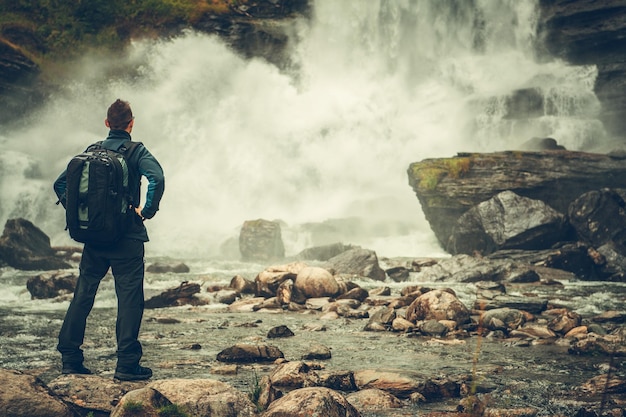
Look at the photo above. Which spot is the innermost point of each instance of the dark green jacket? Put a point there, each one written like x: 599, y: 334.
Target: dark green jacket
x: 141, y: 164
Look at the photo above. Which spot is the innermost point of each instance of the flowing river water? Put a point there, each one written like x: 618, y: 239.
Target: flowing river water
x: 183, y: 342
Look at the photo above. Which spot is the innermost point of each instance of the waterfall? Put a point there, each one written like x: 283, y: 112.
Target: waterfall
x: 374, y: 86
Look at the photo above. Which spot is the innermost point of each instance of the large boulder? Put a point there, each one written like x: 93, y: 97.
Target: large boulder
x: 599, y: 216
x: 507, y: 221
x: 261, y: 240
x: 205, y: 397
x: 360, y: 262
x: 448, y: 187
x: 438, y: 305
x: 23, y: 395
x: 315, y: 282
x: 24, y: 246
x: 313, y: 401
x: 268, y: 280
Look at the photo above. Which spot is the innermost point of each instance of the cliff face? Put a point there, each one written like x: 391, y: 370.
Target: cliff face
x: 578, y: 31
x: 448, y: 187
x: 254, y: 29
x: 589, y: 32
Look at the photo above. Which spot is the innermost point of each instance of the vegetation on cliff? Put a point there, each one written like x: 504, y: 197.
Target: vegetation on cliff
x: 54, y: 30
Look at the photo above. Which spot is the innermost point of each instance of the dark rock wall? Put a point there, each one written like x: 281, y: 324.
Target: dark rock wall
x: 591, y: 32
x: 578, y: 31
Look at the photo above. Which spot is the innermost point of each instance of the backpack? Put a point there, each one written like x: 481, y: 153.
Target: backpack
x: 98, y: 202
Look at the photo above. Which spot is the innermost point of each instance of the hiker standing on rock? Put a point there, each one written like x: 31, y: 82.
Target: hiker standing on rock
x: 101, y: 193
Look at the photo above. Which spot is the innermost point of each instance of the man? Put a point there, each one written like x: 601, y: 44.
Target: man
x: 125, y: 258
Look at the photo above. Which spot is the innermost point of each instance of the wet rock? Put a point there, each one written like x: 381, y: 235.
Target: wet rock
x: 149, y: 399
x: 433, y: 328
x: 338, y: 380
x: 397, y: 384
x: 268, y: 280
x: 564, y: 323
x: 261, y: 240
x: 279, y: 332
x: 242, y: 285
x: 360, y: 262
x: 91, y: 393
x: 163, y: 268
x: 380, y: 291
x: 400, y: 324
x: 317, y: 303
x: 23, y: 395
x: 437, y: 305
x: 398, y: 273
x: 271, y: 303
x: 247, y: 353
x: 502, y: 319
x: 51, y: 285
x: 530, y: 304
x: 205, y: 397
x: 448, y: 187
x: 603, y: 384
x: 245, y: 304
x: 325, y: 252
x: 181, y: 295
x: 533, y: 331
x: 358, y: 293
x: 226, y: 296
x: 507, y: 221
x: 373, y: 399
x: 24, y: 246
x: 292, y: 375
x: 316, y: 282
x: 317, y: 352
x: 381, y: 320
x: 286, y: 293
x: 611, y: 262
x: 610, y: 316
x: 312, y: 401
x: 592, y: 344
x: 598, y: 216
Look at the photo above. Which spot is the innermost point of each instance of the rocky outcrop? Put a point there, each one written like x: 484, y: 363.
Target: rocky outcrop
x: 261, y: 240
x: 585, y: 32
x: 23, y: 395
x: 448, y: 187
x: 17, y: 76
x: 24, y: 246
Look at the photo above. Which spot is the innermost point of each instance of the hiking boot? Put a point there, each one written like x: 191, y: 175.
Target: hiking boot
x: 75, y: 368
x: 136, y: 373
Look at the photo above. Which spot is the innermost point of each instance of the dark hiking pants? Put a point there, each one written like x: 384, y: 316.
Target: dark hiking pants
x: 126, y: 260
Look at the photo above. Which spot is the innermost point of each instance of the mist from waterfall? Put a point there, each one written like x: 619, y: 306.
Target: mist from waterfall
x: 373, y: 85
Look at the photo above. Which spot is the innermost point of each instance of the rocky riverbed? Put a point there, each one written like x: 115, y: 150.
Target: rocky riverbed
x: 510, y: 371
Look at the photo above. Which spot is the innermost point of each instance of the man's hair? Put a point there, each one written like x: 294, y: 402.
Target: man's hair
x: 119, y: 115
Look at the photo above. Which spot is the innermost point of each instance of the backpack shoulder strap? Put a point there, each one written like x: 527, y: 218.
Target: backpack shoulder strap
x: 94, y: 146
x: 127, y: 148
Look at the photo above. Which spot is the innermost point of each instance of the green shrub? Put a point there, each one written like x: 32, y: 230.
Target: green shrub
x: 172, y: 410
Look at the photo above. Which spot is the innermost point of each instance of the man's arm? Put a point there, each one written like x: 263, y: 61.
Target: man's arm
x: 59, y: 187
x: 150, y: 168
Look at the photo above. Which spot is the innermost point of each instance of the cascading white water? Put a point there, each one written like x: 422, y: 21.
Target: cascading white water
x: 377, y: 85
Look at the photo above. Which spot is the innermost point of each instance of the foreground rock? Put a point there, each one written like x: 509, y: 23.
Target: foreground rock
x: 51, y: 285
x: 24, y: 246
x: 305, y: 402
x: 205, y: 397
x: 23, y: 395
